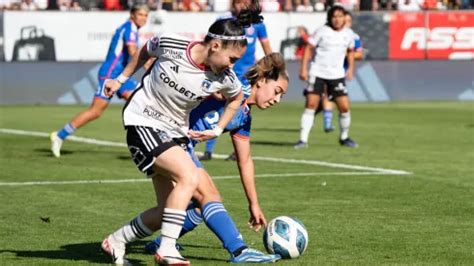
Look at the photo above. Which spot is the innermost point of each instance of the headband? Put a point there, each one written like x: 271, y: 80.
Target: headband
x: 227, y: 38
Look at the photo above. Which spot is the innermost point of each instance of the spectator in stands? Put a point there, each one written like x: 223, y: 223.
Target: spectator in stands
x: 169, y: 5
x: 298, y: 5
x: 193, y: 5
x: 302, y: 41
x: 112, y: 5
x: 409, y: 5
x: 28, y: 5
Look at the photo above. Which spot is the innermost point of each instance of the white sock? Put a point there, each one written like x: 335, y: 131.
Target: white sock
x: 132, y: 231
x: 344, y: 124
x: 171, y: 226
x: 307, y: 120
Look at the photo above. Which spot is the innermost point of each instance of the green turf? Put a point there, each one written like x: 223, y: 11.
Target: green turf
x: 425, y: 218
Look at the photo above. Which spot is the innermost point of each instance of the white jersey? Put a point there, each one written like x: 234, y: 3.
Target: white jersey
x: 173, y: 86
x: 330, y: 50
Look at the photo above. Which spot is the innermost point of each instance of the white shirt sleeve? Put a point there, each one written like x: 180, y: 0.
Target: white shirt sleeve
x: 153, y: 46
x: 232, y: 86
x: 315, y: 38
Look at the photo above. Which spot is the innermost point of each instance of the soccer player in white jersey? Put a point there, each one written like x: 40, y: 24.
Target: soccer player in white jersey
x: 268, y: 82
x: 156, y: 121
x: 326, y: 105
x: 331, y: 44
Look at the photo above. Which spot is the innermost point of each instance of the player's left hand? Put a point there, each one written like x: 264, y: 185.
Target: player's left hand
x: 257, y: 219
x: 201, y: 135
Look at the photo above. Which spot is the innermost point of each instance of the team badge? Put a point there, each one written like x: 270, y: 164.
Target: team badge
x: 154, y: 42
x: 164, y: 137
x: 206, y: 85
x: 250, y: 30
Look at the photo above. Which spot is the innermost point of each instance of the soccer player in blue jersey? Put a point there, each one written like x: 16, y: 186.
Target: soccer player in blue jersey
x: 123, y: 46
x: 255, y: 32
x: 268, y: 81
x: 326, y: 104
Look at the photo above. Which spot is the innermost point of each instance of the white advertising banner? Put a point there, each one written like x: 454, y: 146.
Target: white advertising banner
x: 85, y: 36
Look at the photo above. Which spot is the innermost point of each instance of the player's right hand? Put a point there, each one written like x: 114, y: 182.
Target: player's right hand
x: 111, y: 86
x: 303, y: 74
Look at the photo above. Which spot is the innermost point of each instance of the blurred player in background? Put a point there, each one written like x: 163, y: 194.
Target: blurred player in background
x: 330, y: 44
x: 268, y: 82
x: 326, y: 105
x: 256, y: 31
x: 123, y: 46
x: 156, y: 119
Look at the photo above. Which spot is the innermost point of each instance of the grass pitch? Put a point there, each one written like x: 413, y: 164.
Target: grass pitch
x: 353, y: 216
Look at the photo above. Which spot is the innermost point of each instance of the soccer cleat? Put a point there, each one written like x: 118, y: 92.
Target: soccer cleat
x: 231, y: 157
x: 207, y: 156
x: 115, y: 250
x: 250, y: 255
x: 152, y: 247
x: 300, y: 145
x: 56, y: 143
x: 348, y: 143
x: 171, y: 260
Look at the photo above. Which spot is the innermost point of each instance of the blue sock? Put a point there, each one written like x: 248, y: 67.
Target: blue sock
x: 210, y: 145
x: 327, y: 118
x: 193, y: 219
x: 219, y: 221
x: 67, y: 130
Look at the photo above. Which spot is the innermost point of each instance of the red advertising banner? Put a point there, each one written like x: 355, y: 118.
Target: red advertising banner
x: 432, y: 35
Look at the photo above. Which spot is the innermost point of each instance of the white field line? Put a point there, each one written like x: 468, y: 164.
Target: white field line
x: 258, y: 158
x: 141, y: 180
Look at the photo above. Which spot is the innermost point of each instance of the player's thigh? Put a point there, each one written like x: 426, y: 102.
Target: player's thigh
x: 343, y: 104
x: 176, y: 163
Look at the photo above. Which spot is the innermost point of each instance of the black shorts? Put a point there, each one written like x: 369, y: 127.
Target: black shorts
x: 335, y: 87
x: 146, y: 143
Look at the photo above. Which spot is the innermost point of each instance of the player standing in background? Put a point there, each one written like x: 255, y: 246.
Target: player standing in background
x: 256, y: 31
x: 330, y: 44
x: 156, y: 119
x: 325, y: 102
x: 123, y: 46
x: 268, y: 82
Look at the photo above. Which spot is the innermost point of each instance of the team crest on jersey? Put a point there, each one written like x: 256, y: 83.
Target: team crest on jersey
x: 164, y: 137
x: 250, y: 30
x: 206, y: 85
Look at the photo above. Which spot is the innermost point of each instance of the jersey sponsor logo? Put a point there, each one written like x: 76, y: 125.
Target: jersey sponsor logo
x: 174, y: 85
x: 152, y: 113
x: 173, y: 54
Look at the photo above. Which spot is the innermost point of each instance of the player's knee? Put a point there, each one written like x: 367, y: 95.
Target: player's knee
x: 189, y: 179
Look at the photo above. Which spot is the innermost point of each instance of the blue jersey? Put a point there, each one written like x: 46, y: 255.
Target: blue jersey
x: 254, y: 32
x: 357, y: 47
x: 117, y: 55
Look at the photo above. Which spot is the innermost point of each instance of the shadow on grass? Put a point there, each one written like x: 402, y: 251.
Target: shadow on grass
x: 92, y: 253
x: 273, y: 143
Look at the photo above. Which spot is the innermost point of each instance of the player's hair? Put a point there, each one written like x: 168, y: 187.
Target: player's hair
x: 331, y: 12
x: 348, y: 13
x: 137, y: 7
x: 271, y: 66
x: 231, y: 31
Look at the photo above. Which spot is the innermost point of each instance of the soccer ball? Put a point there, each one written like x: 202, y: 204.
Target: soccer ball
x: 285, y: 236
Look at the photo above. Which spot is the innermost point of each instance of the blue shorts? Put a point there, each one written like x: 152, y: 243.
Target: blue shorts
x: 128, y: 86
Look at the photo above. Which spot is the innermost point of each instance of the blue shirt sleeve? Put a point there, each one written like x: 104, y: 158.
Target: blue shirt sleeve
x: 261, y: 31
